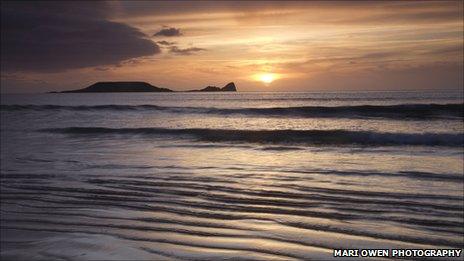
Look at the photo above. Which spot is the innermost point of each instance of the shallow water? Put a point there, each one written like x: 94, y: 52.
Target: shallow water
x: 229, y: 175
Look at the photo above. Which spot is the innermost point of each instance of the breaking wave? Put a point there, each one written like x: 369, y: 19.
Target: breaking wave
x: 315, y: 137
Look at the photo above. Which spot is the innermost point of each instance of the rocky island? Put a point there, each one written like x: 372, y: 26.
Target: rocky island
x: 143, y: 87
x: 230, y: 87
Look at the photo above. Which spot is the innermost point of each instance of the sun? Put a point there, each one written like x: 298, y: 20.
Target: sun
x: 267, y: 77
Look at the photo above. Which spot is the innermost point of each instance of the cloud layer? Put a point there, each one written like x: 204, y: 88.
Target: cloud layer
x: 308, y: 45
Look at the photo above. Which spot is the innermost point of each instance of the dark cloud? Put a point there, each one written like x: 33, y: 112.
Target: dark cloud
x: 56, y: 36
x: 166, y: 43
x: 187, y: 51
x: 169, y: 32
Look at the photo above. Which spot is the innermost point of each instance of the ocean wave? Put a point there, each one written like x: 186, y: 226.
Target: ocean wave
x: 411, y: 111
x: 314, y: 137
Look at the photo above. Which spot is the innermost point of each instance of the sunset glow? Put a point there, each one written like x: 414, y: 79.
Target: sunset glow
x: 186, y: 45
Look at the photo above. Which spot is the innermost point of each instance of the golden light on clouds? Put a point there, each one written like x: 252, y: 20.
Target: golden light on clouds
x: 287, y: 46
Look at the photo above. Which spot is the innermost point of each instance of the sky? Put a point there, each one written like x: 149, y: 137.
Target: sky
x: 259, y: 45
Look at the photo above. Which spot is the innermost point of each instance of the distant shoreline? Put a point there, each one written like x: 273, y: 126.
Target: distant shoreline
x: 117, y: 87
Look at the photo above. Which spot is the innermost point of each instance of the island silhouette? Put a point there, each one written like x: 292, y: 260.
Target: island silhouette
x: 143, y: 87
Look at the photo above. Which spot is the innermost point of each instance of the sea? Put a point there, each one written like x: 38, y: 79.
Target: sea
x: 229, y: 176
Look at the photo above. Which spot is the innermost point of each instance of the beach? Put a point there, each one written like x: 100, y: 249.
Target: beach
x: 256, y: 176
